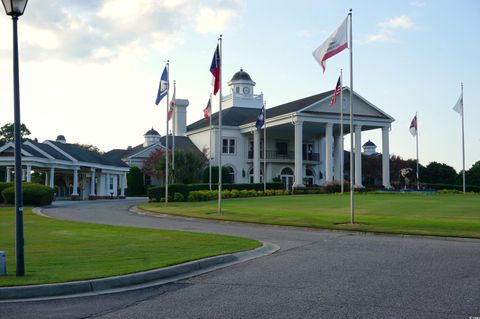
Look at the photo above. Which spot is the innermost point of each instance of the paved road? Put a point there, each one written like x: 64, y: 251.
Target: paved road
x: 316, y: 274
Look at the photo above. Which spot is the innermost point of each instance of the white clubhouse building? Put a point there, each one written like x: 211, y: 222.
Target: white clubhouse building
x: 303, y: 144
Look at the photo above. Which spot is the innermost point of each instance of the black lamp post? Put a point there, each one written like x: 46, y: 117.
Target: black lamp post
x: 15, y: 8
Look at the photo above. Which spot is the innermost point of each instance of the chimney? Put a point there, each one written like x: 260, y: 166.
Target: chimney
x: 180, y: 122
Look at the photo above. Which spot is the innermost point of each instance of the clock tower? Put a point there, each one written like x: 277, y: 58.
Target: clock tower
x: 241, y: 92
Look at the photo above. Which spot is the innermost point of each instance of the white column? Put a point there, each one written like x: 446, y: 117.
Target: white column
x: 256, y: 156
x: 123, y: 184
x: 107, y: 184
x: 338, y: 158
x: 75, y: 182
x: 29, y: 173
x: 328, y: 152
x: 385, y: 158
x: 52, y: 177
x: 92, y: 183
x: 358, y: 156
x: 298, y: 154
x: 8, y: 171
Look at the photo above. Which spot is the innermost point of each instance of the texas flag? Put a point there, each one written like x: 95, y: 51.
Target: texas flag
x: 207, y: 111
x: 336, y: 43
x: 413, y: 126
x: 215, y: 70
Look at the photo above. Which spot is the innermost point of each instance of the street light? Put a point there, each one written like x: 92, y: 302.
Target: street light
x: 15, y: 8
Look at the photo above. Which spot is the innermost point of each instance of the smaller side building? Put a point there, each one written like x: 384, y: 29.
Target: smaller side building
x: 71, y: 170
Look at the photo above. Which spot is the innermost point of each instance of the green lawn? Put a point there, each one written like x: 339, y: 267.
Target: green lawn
x: 441, y: 215
x: 58, y: 251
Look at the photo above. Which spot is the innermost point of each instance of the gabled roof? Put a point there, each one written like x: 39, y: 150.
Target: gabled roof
x: 33, y: 151
x: 182, y: 142
x: 83, y: 155
x: 232, y: 116
x: 236, y: 116
x: 50, y: 150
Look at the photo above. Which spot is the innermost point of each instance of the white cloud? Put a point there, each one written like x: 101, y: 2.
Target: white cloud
x: 386, y: 29
x: 418, y: 3
x: 210, y: 20
x: 401, y: 22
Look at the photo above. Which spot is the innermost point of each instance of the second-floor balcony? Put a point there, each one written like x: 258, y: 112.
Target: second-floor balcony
x: 287, y: 156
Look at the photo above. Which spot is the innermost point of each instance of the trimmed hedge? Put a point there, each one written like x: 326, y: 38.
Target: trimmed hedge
x: 33, y: 194
x: 204, y: 195
x: 158, y: 192
x: 468, y: 188
x: 4, y: 185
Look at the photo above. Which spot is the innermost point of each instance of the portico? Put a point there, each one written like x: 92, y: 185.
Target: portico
x: 71, y: 171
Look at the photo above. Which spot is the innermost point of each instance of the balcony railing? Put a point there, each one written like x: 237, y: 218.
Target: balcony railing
x: 275, y: 155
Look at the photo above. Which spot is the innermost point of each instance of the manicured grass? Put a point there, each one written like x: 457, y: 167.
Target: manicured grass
x: 58, y: 251
x: 454, y: 215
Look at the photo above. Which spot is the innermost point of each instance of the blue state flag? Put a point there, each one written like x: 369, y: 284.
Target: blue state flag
x: 260, y: 118
x: 163, y: 87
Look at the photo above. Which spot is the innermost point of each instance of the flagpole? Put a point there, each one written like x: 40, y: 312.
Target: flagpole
x: 166, y: 136
x: 341, y: 129
x: 173, y: 133
x: 264, y: 146
x: 352, y: 168
x: 210, y: 146
x: 220, y: 130
x: 463, y: 140
x: 416, y: 138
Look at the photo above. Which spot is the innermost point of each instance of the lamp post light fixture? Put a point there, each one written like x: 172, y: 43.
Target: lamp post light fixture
x: 15, y: 8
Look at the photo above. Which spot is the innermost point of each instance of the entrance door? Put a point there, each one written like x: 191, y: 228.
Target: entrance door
x: 286, y: 176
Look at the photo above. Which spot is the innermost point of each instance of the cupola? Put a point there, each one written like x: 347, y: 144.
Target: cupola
x: 151, y: 137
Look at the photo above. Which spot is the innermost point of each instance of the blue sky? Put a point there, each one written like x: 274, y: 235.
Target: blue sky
x: 90, y: 69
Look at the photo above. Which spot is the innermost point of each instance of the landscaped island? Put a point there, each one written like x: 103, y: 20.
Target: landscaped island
x: 456, y: 215
x: 59, y: 251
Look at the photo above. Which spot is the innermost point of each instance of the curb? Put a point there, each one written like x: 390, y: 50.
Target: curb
x: 133, y: 281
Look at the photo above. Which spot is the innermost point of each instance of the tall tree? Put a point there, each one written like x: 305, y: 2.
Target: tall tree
x: 7, y: 133
x: 188, y: 166
x: 472, y: 176
x: 439, y: 173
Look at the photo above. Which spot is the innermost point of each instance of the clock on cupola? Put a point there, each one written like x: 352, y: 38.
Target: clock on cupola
x: 241, y: 83
x: 242, y: 95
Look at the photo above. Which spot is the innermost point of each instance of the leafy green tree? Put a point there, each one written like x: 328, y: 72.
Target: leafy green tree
x: 188, y: 166
x: 7, y: 133
x: 89, y: 147
x: 472, y: 176
x: 439, y: 173
x: 135, y: 185
x: 226, y: 177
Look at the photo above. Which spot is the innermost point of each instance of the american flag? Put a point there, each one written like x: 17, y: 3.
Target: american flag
x: 336, y: 92
x: 207, y: 111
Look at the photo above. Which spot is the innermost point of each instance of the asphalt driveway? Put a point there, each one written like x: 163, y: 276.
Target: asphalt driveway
x: 316, y: 274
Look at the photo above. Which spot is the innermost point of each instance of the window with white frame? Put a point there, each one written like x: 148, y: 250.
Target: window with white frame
x: 228, y: 146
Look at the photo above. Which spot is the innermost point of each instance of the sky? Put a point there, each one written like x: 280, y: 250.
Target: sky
x: 90, y: 69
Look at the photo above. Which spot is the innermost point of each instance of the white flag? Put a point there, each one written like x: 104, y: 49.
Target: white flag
x: 459, y: 106
x: 336, y: 43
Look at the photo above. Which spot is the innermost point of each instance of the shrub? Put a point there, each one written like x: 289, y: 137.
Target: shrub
x: 135, y: 186
x: 4, y: 185
x: 33, y: 194
x: 178, y: 197
x: 155, y: 193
